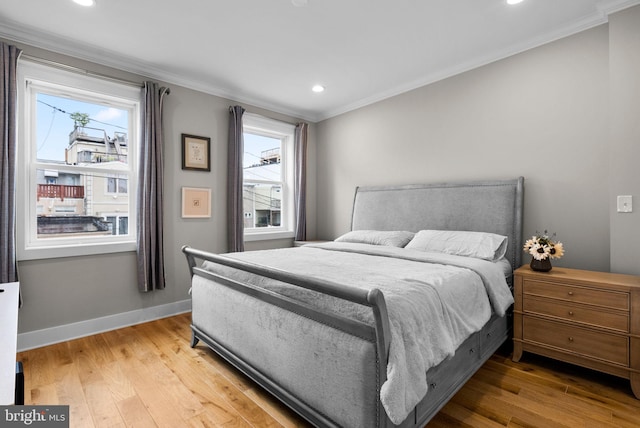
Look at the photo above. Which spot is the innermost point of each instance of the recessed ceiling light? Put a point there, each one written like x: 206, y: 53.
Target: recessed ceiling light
x: 514, y: 1
x: 317, y: 88
x: 85, y: 2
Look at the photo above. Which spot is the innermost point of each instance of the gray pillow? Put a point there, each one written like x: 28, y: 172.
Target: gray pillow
x: 481, y: 245
x: 394, y: 238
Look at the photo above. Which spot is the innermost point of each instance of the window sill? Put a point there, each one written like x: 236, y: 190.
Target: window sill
x: 56, y: 252
x: 267, y: 236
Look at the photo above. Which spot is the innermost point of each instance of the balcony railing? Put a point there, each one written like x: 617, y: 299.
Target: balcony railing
x: 87, y: 156
x: 60, y: 191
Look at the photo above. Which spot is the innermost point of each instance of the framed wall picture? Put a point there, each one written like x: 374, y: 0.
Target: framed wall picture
x: 196, y: 152
x: 196, y: 202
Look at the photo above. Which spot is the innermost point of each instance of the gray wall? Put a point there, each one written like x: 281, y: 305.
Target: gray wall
x: 624, y: 138
x: 544, y: 114
x: 63, y: 291
x: 564, y: 115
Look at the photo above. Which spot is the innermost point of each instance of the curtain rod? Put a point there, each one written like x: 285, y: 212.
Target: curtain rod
x: 78, y: 70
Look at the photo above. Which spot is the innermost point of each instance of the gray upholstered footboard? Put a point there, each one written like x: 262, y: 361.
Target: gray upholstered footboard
x: 329, y: 372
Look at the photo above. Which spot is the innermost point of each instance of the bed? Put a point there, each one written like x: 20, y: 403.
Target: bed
x: 355, y: 332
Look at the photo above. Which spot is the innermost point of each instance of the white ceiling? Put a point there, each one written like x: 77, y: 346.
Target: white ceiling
x: 270, y: 53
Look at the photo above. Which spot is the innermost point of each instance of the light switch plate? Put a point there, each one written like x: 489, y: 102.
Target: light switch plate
x: 625, y: 203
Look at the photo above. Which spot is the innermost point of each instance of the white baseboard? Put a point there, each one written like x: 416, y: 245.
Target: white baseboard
x: 62, y: 333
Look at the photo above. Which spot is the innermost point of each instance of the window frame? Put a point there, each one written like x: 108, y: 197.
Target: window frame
x: 285, y: 132
x: 35, y: 77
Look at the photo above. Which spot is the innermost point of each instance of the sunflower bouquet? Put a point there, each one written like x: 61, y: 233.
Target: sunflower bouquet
x: 541, y: 246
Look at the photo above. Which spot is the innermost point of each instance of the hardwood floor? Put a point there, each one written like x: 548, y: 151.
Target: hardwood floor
x: 147, y: 375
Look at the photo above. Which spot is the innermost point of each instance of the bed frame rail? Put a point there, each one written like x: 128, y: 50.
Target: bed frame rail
x: 374, y: 298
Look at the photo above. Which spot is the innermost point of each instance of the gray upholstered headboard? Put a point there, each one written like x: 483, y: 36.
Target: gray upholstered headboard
x: 484, y: 206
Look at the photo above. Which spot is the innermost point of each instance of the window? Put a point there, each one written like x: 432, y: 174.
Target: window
x: 78, y: 141
x: 117, y: 185
x: 118, y: 224
x: 267, y: 178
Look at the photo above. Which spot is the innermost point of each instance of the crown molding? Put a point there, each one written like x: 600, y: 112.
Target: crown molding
x: 601, y: 16
x: 72, y: 48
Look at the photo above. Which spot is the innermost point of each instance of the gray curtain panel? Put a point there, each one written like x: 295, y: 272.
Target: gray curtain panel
x: 150, y: 242
x: 234, y: 182
x: 8, y: 98
x: 300, y: 185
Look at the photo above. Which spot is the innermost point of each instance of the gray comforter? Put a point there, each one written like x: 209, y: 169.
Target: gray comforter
x: 435, y: 301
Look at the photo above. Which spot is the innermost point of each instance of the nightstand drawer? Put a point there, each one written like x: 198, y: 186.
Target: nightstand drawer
x: 593, y: 317
x: 604, y: 346
x: 589, y: 296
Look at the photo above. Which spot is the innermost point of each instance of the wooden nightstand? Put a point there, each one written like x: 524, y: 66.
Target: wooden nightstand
x: 582, y: 317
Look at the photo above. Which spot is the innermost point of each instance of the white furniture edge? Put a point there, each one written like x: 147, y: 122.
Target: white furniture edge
x: 8, y: 331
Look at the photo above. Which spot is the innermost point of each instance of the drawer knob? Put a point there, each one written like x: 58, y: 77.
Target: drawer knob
x: 570, y: 339
x: 571, y: 313
x: 570, y: 293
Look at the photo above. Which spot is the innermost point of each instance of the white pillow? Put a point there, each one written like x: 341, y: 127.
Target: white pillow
x: 481, y: 245
x: 395, y: 238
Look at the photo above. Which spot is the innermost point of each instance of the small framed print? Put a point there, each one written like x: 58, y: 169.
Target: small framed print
x: 196, y: 202
x: 196, y: 152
